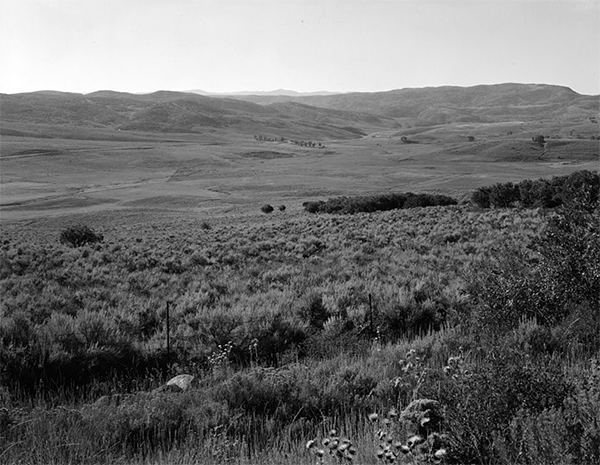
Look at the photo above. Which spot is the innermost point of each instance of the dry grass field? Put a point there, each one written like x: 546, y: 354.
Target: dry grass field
x: 228, y: 171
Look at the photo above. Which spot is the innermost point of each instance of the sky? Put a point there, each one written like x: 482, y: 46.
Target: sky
x: 302, y: 45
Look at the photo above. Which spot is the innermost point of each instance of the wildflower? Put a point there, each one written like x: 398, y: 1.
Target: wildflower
x: 373, y: 417
x: 440, y: 454
x: 415, y: 440
x: 310, y: 444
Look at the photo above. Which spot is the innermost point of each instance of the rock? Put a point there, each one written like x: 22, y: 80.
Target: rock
x: 185, y: 382
x: 180, y: 383
x: 425, y: 414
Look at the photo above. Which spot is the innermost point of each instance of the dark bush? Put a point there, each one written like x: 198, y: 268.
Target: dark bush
x: 580, y: 188
x: 560, y: 282
x: 504, y: 195
x: 373, y: 203
x: 481, y: 197
x: 481, y: 404
x: 78, y: 235
x: 266, y: 208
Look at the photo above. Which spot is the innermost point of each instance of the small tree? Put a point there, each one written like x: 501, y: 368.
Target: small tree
x: 266, y: 208
x: 540, y: 140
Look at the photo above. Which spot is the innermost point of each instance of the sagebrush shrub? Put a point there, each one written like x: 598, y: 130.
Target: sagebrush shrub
x: 79, y: 235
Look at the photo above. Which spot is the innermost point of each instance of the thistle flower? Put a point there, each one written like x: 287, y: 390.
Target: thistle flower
x: 415, y: 440
x: 440, y: 454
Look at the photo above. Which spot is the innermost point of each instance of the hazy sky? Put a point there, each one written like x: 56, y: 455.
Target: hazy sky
x: 304, y: 45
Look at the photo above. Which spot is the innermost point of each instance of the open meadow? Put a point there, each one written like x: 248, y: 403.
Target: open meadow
x: 423, y: 334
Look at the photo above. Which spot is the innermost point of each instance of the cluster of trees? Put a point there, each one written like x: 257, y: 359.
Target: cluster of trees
x: 307, y: 143
x: 581, y: 187
x: 262, y: 138
x: 539, y: 139
x: 373, y: 203
x: 301, y: 143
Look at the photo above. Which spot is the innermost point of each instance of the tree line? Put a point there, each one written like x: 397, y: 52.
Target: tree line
x: 581, y: 186
x: 373, y: 203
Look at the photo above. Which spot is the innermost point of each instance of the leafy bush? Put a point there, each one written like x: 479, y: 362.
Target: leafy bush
x: 79, y: 235
x: 374, y: 203
x: 482, y: 402
x: 581, y: 188
x: 266, y: 208
x: 560, y: 283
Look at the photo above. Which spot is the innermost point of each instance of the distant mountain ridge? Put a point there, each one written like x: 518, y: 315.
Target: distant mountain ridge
x: 320, y: 116
x: 278, y: 93
x: 439, y: 105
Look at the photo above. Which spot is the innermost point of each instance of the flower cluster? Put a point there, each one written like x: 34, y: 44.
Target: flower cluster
x: 339, y: 449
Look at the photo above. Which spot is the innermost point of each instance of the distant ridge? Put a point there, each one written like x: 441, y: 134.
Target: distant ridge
x: 278, y: 92
x: 181, y: 112
x: 440, y: 105
x: 296, y: 115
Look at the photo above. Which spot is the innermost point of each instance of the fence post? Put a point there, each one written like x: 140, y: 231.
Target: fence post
x: 168, y: 333
x: 371, y: 316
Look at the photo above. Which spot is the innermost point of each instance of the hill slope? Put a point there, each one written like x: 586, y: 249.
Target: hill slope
x: 177, y: 112
x: 439, y: 105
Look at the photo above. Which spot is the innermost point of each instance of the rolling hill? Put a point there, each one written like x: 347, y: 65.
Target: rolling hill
x: 177, y: 112
x: 441, y: 105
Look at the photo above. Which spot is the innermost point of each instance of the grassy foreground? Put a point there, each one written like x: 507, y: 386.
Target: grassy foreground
x: 297, y: 325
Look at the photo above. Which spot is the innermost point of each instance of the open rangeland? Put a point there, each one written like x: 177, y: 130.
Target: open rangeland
x: 455, y: 334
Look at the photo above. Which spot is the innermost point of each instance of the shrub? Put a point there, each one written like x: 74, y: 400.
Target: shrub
x: 482, y: 404
x: 266, y: 208
x: 373, y: 203
x: 562, y: 281
x: 580, y: 188
x: 481, y: 197
x: 78, y: 235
